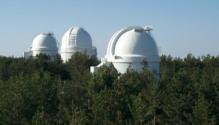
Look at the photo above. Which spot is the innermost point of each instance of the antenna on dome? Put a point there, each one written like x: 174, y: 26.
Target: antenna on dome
x: 50, y: 33
x: 148, y: 28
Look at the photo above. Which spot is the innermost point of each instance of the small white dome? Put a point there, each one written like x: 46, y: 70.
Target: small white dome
x: 44, y: 43
x: 76, y: 39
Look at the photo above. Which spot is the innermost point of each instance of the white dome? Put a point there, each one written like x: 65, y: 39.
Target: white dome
x: 129, y: 47
x: 44, y: 43
x: 76, y: 39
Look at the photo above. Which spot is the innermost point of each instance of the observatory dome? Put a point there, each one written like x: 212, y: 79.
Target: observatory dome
x: 129, y: 47
x: 44, y: 43
x: 76, y: 39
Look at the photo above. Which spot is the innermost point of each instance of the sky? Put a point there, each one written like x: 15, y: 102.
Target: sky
x: 179, y: 26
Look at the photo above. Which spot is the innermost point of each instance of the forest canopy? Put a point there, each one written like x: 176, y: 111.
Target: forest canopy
x: 44, y: 91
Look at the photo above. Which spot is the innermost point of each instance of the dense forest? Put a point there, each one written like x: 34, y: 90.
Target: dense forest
x: 44, y: 91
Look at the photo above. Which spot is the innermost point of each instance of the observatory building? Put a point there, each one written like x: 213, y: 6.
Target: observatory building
x: 76, y: 39
x: 44, y: 43
x: 129, y: 47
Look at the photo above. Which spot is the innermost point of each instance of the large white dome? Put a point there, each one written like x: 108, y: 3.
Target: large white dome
x: 76, y: 39
x: 132, y: 42
x: 129, y: 47
x: 44, y: 43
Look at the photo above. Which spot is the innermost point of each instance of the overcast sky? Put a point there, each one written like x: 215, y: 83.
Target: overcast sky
x: 179, y: 26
